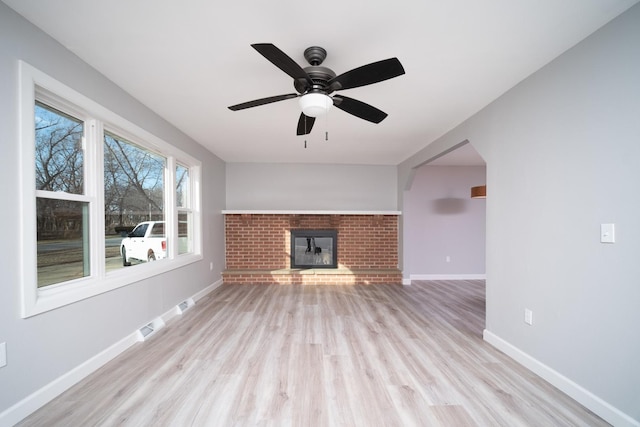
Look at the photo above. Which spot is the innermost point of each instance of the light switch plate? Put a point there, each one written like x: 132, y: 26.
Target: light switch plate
x: 528, y: 316
x: 607, y: 233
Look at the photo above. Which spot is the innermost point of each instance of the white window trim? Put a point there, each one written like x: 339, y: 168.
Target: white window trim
x: 191, y: 206
x: 35, y: 301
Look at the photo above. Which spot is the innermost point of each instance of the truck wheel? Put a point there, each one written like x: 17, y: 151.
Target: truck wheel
x: 124, y: 258
x: 151, y: 256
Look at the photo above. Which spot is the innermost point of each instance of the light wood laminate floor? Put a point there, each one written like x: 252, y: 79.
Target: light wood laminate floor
x: 272, y: 355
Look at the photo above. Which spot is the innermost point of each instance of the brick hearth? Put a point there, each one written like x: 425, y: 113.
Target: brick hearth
x: 258, y: 248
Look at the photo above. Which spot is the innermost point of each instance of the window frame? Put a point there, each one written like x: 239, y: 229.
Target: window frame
x: 187, y: 208
x: 86, y: 196
x: 36, y: 85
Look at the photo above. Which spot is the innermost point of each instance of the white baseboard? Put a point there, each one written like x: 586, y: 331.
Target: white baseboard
x: 448, y: 276
x: 206, y: 290
x: 581, y: 395
x: 36, y: 400
x: 41, y: 397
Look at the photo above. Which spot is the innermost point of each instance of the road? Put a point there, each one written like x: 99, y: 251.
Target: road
x: 58, y: 245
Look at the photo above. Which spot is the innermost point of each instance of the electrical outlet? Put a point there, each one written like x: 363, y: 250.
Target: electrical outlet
x: 528, y: 316
x: 447, y: 258
x: 3, y: 354
x: 210, y: 266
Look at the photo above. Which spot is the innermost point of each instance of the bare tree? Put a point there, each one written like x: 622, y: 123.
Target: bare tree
x: 134, y: 182
x: 59, y: 167
x: 59, y: 154
x: 133, y: 176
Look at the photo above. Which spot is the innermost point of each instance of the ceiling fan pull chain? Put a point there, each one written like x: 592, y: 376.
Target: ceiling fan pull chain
x: 326, y: 126
x: 305, y: 130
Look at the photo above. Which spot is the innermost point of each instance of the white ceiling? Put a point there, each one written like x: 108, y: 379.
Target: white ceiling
x: 189, y: 60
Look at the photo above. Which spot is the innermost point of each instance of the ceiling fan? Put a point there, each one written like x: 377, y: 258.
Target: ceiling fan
x: 315, y: 83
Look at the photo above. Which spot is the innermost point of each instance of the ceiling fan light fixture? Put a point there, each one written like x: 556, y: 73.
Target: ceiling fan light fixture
x: 315, y: 104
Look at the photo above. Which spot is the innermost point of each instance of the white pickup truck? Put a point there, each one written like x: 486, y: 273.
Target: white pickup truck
x: 147, y: 242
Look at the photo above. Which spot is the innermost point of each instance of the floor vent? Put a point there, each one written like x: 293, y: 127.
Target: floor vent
x: 145, y: 331
x: 149, y: 329
x: 185, y: 305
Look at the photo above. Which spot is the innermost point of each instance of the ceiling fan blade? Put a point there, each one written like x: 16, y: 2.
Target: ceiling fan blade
x: 305, y: 124
x: 262, y: 101
x: 368, y: 74
x: 359, y: 109
x: 283, y: 61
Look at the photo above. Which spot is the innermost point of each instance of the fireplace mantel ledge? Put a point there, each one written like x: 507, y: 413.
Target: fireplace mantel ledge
x: 302, y: 212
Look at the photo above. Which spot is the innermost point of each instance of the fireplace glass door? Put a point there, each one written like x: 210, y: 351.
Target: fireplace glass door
x: 314, y: 249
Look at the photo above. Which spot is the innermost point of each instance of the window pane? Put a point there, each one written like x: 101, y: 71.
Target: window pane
x: 185, y: 219
x: 59, y: 155
x: 63, y: 240
x: 133, y: 193
x: 185, y: 233
x: 182, y: 187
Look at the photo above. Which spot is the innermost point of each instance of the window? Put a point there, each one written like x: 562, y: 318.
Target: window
x: 185, y: 211
x: 89, y: 177
x: 133, y: 193
x: 61, y: 204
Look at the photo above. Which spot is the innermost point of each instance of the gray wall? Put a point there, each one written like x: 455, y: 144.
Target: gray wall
x: 562, y: 152
x: 287, y: 186
x: 563, y: 155
x: 443, y: 221
x: 44, y: 347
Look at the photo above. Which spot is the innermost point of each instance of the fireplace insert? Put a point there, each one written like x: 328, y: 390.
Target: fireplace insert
x: 314, y: 249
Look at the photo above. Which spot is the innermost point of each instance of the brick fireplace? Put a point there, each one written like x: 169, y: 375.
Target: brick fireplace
x: 258, y: 247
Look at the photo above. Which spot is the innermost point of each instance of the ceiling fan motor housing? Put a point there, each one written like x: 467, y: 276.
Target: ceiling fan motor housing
x: 319, y: 76
x: 315, y: 55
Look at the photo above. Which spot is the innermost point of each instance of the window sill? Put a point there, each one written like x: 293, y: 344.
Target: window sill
x: 43, y: 300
